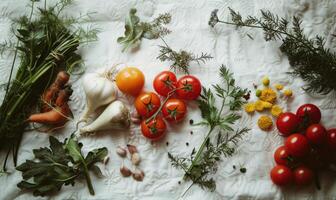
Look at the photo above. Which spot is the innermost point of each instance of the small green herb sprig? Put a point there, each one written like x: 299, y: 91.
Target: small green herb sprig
x: 181, y: 59
x: 59, y: 165
x: 135, y: 30
x: 309, y: 57
x: 202, y: 163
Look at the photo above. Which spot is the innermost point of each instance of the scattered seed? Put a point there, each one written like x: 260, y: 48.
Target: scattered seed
x: 243, y: 170
x: 179, y: 182
x: 187, y: 143
x: 191, y: 122
x: 191, y: 132
x: 167, y: 143
x: 234, y: 166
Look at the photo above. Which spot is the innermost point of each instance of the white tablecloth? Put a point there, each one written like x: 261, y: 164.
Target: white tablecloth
x: 248, y: 59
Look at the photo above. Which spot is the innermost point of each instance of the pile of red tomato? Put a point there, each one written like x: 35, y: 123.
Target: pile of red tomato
x: 173, y: 108
x: 308, y: 148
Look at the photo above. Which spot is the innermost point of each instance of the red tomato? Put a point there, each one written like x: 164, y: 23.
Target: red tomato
x: 281, y: 175
x: 303, y: 175
x: 297, y: 145
x: 309, y: 114
x: 316, y: 134
x: 281, y: 156
x: 164, y: 82
x: 189, y: 87
x: 155, y: 129
x: 287, y: 123
x: 331, y: 138
x: 147, y: 104
x: 317, y: 158
x: 174, y: 110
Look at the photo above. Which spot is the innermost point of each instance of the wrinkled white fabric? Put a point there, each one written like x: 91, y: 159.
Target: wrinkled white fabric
x: 248, y: 59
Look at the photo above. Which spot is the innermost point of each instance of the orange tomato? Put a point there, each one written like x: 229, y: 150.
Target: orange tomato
x: 130, y: 80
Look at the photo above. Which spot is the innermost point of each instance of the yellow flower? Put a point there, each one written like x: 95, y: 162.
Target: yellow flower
x: 266, y: 81
x: 267, y: 104
x: 268, y: 95
x: 265, y: 123
x: 276, y: 110
x: 249, y: 107
x: 259, y: 105
x: 288, y: 93
x: 278, y: 86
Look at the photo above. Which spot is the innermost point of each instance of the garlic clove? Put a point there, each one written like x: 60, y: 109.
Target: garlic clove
x: 121, y: 151
x: 138, y: 175
x: 125, y: 172
x: 132, y: 149
x: 135, y: 158
x: 106, y: 159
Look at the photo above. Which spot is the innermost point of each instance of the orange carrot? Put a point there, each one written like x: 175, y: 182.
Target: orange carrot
x: 52, y: 117
x: 63, y: 96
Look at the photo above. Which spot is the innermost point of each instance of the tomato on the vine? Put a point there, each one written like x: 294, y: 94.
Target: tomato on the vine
x: 174, y: 110
x: 297, y: 145
x: 154, y: 129
x: 303, y: 175
x: 164, y: 83
x: 331, y: 138
x: 281, y: 156
x: 309, y: 114
x: 281, y: 175
x: 316, y: 134
x: 147, y: 104
x: 188, y: 87
x: 287, y: 123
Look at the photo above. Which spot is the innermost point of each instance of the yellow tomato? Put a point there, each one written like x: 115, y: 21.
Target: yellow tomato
x: 130, y: 80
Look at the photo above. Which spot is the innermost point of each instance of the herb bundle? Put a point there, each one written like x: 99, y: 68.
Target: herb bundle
x: 59, y: 165
x: 202, y: 163
x: 180, y: 59
x: 309, y: 57
x: 135, y: 30
x: 47, y: 43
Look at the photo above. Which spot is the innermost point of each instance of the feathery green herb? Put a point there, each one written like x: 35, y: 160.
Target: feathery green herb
x: 202, y: 163
x: 181, y: 59
x: 59, y: 165
x: 135, y: 30
x: 46, y: 43
x: 309, y: 57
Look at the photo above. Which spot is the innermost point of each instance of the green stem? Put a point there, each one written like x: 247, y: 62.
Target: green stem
x: 88, y: 179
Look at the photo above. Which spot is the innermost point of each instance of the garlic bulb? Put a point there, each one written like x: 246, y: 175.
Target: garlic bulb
x: 100, y: 90
x: 116, y: 116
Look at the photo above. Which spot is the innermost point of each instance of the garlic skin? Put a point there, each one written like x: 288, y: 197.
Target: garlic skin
x: 135, y: 158
x: 121, y: 152
x: 138, y: 175
x: 99, y: 90
x: 125, y: 172
x: 116, y: 116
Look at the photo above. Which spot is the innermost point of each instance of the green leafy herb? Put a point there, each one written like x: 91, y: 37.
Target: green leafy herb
x: 135, y: 30
x: 309, y: 58
x: 180, y: 59
x: 59, y: 165
x: 202, y: 163
x: 46, y: 44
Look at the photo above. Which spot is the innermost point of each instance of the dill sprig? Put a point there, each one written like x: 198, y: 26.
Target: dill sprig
x: 201, y: 164
x: 45, y: 45
x: 309, y: 57
x: 181, y: 59
x: 135, y: 30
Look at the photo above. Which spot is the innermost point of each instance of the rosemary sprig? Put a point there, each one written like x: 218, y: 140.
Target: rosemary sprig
x: 135, y: 30
x: 202, y: 163
x: 309, y: 57
x: 46, y: 44
x: 181, y: 59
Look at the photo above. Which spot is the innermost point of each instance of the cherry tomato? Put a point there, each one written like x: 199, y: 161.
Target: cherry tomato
x: 317, y: 158
x: 303, y: 175
x: 174, y: 110
x: 287, y: 123
x: 164, y: 83
x: 147, y: 104
x: 297, y: 145
x: 281, y: 175
x: 155, y: 129
x: 281, y: 156
x: 189, y: 87
x: 316, y: 134
x: 130, y: 80
x: 309, y: 114
x: 331, y: 138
